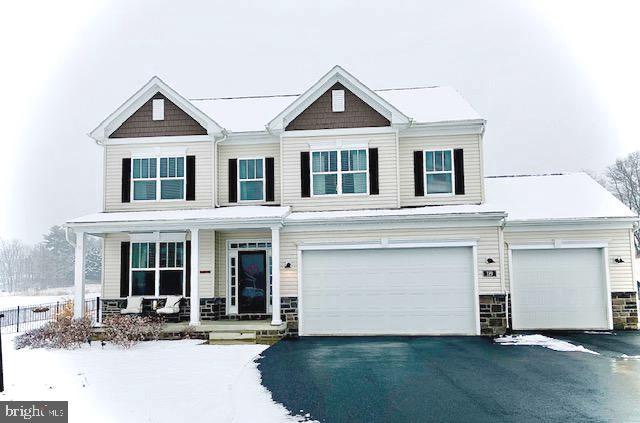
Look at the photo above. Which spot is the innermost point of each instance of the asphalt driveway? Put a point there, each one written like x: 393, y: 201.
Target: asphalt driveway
x: 403, y: 379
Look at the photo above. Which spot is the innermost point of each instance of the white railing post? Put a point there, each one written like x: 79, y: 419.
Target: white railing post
x: 78, y: 276
x: 194, y: 315
x: 275, y: 276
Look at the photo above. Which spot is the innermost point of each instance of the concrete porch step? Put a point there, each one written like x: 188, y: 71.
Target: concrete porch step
x: 232, y: 336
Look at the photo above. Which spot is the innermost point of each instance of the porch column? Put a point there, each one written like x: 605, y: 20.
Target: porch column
x: 275, y: 276
x: 78, y: 276
x: 194, y: 317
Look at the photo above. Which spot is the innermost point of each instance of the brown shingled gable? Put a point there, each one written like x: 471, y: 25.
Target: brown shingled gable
x: 176, y: 122
x: 319, y: 115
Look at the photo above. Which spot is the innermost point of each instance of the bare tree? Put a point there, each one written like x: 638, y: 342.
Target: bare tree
x: 14, y: 258
x: 623, y: 179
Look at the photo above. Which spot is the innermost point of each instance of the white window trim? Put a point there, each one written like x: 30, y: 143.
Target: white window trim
x: 158, y: 179
x: 263, y: 179
x: 156, y: 269
x: 339, y: 172
x: 425, y: 173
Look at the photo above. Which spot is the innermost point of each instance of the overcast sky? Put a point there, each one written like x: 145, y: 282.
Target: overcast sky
x: 556, y: 81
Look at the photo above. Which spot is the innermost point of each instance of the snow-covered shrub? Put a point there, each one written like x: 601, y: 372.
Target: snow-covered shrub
x: 61, y: 333
x: 126, y: 331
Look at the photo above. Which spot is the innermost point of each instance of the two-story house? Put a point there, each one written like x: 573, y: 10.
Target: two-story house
x: 348, y: 211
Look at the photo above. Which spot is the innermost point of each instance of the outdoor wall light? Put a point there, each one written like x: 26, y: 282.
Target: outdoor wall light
x: 287, y: 266
x: 618, y: 260
x: 490, y: 260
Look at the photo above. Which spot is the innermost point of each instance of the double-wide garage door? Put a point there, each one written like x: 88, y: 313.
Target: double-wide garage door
x: 388, y: 291
x: 559, y: 289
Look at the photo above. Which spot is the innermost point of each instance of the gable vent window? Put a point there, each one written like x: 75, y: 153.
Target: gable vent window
x: 158, y: 109
x: 337, y: 100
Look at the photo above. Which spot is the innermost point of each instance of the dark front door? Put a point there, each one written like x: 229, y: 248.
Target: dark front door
x: 252, y: 282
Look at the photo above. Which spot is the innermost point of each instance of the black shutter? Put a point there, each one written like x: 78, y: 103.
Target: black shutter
x: 233, y: 180
x: 126, y: 180
x: 418, y: 173
x: 187, y: 269
x: 305, y: 177
x: 458, y: 166
x: 124, y: 268
x: 269, y: 173
x: 373, y: 172
x: 191, y: 178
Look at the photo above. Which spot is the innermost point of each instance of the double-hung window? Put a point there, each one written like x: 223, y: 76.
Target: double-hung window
x: 438, y: 167
x: 143, y: 268
x: 339, y: 172
x: 251, y: 179
x: 171, y: 268
x: 157, y: 268
x: 158, y: 178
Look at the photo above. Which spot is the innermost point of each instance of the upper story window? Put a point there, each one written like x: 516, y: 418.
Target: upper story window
x: 251, y: 179
x: 161, y: 178
x: 339, y: 172
x: 438, y: 167
x: 157, y: 274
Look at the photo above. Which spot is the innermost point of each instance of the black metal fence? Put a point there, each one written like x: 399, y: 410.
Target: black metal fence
x: 23, y: 318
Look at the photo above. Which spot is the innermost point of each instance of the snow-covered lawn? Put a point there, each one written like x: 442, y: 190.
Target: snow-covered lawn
x: 161, y: 381
x: 8, y: 300
x: 542, y: 341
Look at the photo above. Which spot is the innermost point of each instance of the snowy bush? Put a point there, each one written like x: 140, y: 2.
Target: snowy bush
x: 127, y: 331
x: 61, y: 333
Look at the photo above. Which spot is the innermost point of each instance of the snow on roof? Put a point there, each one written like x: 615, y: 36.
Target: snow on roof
x: 222, y: 213
x: 546, y: 197
x: 423, y: 105
x: 467, y: 209
x: 431, y: 104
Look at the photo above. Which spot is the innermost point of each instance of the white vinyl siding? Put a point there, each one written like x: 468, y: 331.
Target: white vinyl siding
x: 111, y: 263
x: 292, y: 196
x: 473, y: 182
x: 620, y: 274
x: 228, y: 151
x: 113, y: 177
x: 487, y: 238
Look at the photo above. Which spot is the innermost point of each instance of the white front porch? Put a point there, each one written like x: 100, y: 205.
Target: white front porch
x: 232, y: 261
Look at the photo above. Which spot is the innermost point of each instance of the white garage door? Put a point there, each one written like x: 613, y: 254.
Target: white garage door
x: 411, y: 291
x: 559, y: 289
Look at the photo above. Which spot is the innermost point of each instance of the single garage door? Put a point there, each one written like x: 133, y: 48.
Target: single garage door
x: 391, y: 291
x: 559, y: 289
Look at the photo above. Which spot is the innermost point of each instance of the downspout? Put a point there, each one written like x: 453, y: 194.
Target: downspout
x: 214, y: 173
x: 503, y: 283
x: 68, y: 238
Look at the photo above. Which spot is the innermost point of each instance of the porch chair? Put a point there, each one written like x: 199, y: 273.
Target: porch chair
x: 134, y: 306
x: 171, y: 306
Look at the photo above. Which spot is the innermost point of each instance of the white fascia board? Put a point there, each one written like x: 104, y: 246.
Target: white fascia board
x: 458, y: 127
x: 158, y: 140
x: 336, y: 74
x: 339, y: 132
x: 570, y: 224
x: 155, y: 84
x: 441, y: 220
x: 174, y: 225
x: 250, y: 137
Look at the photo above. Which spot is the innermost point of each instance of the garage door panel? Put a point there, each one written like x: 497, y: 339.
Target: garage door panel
x: 559, y: 289
x: 390, y: 291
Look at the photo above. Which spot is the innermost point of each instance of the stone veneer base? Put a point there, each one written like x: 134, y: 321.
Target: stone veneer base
x: 493, y: 313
